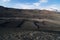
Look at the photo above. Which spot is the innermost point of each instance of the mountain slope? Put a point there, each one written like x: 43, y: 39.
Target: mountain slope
x: 50, y: 19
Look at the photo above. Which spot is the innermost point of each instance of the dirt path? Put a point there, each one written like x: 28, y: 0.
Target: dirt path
x: 33, y: 19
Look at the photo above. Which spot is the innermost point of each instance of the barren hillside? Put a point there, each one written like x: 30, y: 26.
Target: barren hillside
x: 45, y: 19
x: 26, y: 24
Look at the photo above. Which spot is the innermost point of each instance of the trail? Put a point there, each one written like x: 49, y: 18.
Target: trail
x: 33, y: 19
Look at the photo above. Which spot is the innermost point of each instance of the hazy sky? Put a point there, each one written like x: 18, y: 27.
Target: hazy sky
x: 32, y: 4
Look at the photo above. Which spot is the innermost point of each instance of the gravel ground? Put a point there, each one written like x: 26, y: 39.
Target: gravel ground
x: 13, y: 34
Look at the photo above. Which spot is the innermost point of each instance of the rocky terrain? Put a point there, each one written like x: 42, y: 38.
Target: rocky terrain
x: 19, y: 34
x: 25, y: 24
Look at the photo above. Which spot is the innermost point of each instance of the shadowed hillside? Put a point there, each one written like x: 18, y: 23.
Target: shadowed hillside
x: 45, y: 19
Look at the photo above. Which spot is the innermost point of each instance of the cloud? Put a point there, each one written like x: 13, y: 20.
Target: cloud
x: 23, y: 6
x: 35, y: 5
x: 43, y: 1
x: 6, y: 1
x: 40, y: 2
x: 52, y: 7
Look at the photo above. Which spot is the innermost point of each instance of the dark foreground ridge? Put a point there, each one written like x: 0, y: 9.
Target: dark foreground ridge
x: 26, y: 24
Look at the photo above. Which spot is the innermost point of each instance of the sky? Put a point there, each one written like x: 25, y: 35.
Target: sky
x: 32, y: 4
